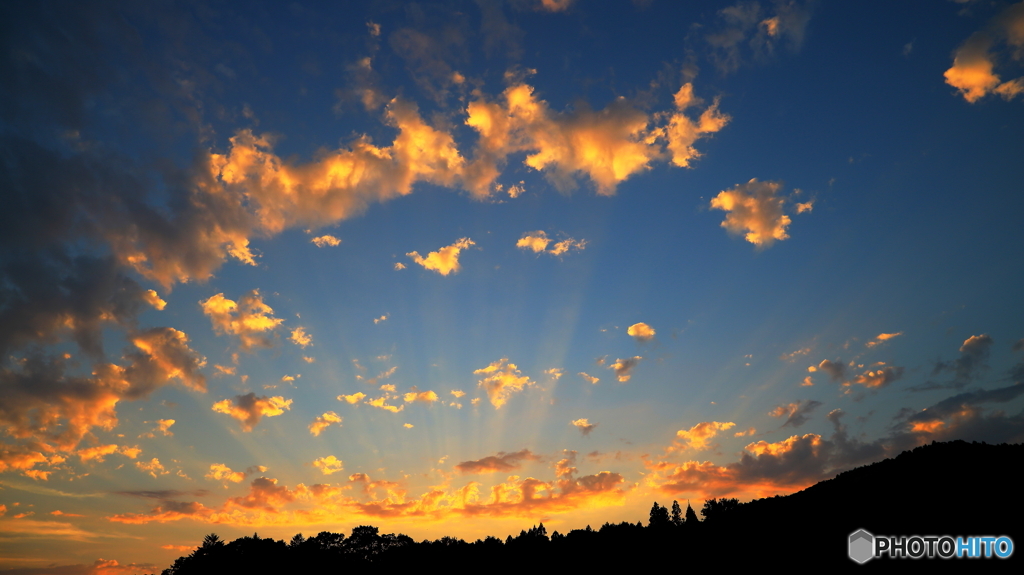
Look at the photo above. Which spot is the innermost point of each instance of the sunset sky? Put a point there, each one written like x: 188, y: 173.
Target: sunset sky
x: 455, y: 268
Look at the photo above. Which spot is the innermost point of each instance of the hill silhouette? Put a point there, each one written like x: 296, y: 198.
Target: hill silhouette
x: 955, y: 488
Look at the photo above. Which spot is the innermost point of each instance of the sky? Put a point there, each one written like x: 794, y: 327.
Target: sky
x: 456, y: 268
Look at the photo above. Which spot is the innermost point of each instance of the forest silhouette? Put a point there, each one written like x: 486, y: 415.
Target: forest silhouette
x: 955, y: 488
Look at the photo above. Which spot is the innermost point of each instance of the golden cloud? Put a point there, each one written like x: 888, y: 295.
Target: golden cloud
x: 153, y: 467
x: 420, y: 396
x: 328, y: 465
x: 248, y: 409
x: 353, y: 399
x: 583, y: 425
x: 623, y: 368
x: 249, y: 319
x: 972, y: 73
x: 501, y: 380
x: 326, y: 240
x: 589, y: 378
x: 882, y: 338
x: 698, y: 437
x: 324, y: 421
x: 538, y: 242
x: 300, y: 338
x: 641, y: 331
x: 445, y: 260
x: 754, y: 208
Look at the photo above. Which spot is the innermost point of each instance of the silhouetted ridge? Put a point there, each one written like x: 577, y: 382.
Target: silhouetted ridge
x: 955, y: 488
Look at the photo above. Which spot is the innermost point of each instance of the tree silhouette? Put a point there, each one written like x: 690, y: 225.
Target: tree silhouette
x: 677, y: 514
x: 659, y: 517
x: 715, y: 507
x: 691, y: 515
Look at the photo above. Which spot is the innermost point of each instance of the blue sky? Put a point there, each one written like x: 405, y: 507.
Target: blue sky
x: 303, y: 267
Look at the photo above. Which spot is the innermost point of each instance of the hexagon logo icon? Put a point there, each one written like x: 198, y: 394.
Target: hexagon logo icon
x: 861, y: 544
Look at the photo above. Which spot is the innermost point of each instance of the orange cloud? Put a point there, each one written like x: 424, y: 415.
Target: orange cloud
x: 324, y: 421
x: 583, y: 425
x: 501, y: 380
x: 420, y: 396
x: 641, y: 331
x: 100, y: 452
x: 269, y: 503
x: 698, y: 437
x: 538, y: 242
x: 882, y: 338
x: 353, y: 399
x: 623, y: 368
x: 248, y: 409
x: 756, y: 209
x: 445, y: 260
x: 381, y: 402
x: 326, y: 240
x: 250, y: 319
x: 300, y: 338
x: 221, y: 472
x: 763, y: 469
x: 878, y: 378
x: 683, y: 132
x: 972, y: 73
x: 589, y: 378
x: 328, y: 465
x: 153, y: 467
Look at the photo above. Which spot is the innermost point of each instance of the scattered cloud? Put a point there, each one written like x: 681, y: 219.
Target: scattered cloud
x: 328, y: 465
x: 325, y: 241
x: 381, y: 403
x: 415, y: 395
x: 882, y: 338
x: 607, y: 147
x: 755, y: 210
x: 583, y: 425
x: 324, y: 421
x: 502, y: 380
x: 300, y: 338
x: 153, y: 467
x: 538, y: 242
x: 973, y: 71
x: 748, y: 31
x: 250, y: 319
x: 353, y: 399
x: 876, y: 378
x: 796, y: 413
x: 222, y: 473
x: 248, y: 409
x: 623, y: 368
x: 588, y: 378
x: 698, y: 437
x: 381, y: 319
x: 445, y: 260
x: 641, y: 332
x: 502, y: 462
x: 835, y: 369
x: 790, y: 357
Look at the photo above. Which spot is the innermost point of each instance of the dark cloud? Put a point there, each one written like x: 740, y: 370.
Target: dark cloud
x: 796, y: 413
x: 973, y: 360
x: 501, y: 462
x: 164, y: 493
x: 835, y: 369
